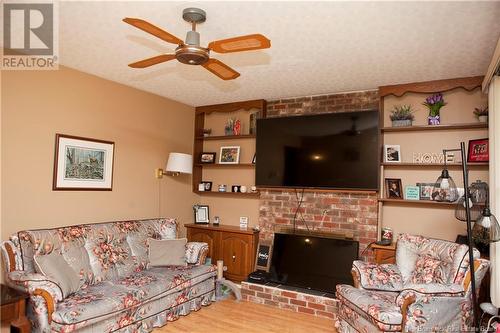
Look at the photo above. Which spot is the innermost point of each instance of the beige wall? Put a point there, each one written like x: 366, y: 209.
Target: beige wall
x: 145, y: 128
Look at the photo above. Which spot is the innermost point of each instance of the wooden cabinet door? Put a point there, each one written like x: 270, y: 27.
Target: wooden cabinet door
x: 235, y: 251
x: 206, y: 236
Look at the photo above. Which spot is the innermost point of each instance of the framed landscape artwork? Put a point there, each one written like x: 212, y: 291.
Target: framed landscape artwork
x: 83, y: 164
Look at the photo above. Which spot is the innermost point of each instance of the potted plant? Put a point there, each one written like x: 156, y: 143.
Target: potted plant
x: 402, y: 116
x: 434, y: 103
x: 481, y: 114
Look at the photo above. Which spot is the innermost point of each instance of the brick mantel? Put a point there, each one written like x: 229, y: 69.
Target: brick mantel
x: 338, y: 212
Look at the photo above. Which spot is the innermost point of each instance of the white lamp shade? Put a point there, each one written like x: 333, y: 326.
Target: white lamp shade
x: 179, y: 162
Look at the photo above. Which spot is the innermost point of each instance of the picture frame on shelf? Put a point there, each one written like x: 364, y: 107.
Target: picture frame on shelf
x: 229, y: 155
x: 392, y: 153
x: 207, y: 186
x: 201, y: 214
x: 425, y: 190
x: 412, y: 193
x: 83, y: 164
x: 264, y: 255
x: 393, y: 188
x: 207, y: 158
x: 478, y: 151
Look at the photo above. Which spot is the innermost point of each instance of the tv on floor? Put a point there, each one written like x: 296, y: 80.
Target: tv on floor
x: 333, y: 151
x: 312, y: 262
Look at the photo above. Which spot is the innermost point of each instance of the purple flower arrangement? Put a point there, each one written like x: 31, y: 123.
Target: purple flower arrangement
x: 434, y: 103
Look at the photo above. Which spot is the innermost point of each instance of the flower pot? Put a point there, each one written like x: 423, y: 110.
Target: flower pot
x: 433, y: 120
x: 401, y: 123
x: 483, y: 119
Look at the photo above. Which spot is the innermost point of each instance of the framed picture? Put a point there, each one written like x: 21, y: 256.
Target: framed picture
x: 207, y: 158
x: 229, y: 155
x: 479, y: 151
x: 264, y: 255
x: 412, y: 193
x: 201, y: 214
x: 393, y: 188
x: 425, y: 190
x: 392, y: 153
x: 207, y: 186
x: 253, y: 159
x: 83, y: 164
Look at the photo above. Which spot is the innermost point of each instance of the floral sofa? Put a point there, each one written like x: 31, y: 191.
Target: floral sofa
x: 427, y: 290
x: 119, y: 292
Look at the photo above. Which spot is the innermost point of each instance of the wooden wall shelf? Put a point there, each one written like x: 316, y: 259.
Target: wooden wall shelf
x: 418, y: 202
x: 224, y: 166
x: 229, y: 194
x: 226, y: 137
x: 469, y: 126
x: 435, y: 165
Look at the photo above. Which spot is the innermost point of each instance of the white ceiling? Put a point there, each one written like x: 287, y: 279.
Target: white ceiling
x: 317, y: 47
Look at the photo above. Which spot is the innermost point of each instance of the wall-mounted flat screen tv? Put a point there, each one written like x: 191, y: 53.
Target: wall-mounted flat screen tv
x: 332, y: 151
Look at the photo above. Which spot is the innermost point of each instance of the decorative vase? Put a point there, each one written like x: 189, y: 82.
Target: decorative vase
x: 483, y: 119
x: 401, y: 123
x: 434, y: 120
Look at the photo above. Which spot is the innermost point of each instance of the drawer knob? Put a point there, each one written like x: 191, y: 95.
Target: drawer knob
x: 234, y: 258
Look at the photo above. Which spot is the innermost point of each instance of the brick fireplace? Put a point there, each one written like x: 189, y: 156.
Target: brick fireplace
x: 354, y: 213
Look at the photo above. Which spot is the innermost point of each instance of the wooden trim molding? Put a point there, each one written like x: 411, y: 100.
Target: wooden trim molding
x: 49, y: 300
x: 231, y: 107
x: 355, y: 277
x: 492, y: 68
x: 12, y: 257
x: 404, y: 310
x: 467, y: 83
x: 467, y: 278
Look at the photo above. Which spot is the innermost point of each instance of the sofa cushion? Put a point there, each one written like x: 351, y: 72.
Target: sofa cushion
x: 109, y: 253
x: 384, y: 277
x: 138, y: 233
x: 111, y: 298
x: 56, y: 269
x: 376, y: 306
x: 411, y: 247
x: 167, y: 252
x: 428, y: 270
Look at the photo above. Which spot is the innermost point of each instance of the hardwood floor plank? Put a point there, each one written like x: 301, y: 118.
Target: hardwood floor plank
x: 229, y: 316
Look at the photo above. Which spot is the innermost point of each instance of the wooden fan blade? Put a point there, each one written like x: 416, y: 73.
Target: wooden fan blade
x: 153, y: 30
x: 221, y: 69
x: 241, y: 43
x: 152, y: 61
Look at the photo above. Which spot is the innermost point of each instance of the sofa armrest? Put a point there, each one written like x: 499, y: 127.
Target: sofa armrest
x: 420, y: 303
x: 11, y: 256
x: 371, y: 276
x: 37, y: 285
x: 196, y: 253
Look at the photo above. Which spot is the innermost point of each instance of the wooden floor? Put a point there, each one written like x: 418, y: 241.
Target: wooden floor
x: 229, y: 316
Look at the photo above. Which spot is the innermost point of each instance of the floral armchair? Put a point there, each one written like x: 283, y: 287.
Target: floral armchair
x: 427, y: 290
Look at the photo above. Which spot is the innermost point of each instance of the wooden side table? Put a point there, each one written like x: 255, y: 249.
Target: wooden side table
x: 13, y: 305
x: 384, y: 254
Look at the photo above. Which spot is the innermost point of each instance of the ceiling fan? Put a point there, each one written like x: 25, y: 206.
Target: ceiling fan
x: 190, y: 52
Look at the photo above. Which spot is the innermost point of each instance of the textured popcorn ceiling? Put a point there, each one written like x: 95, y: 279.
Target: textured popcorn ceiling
x: 317, y: 47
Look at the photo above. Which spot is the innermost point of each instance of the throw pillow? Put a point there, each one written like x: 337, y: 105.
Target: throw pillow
x: 428, y: 270
x: 56, y: 269
x: 167, y: 252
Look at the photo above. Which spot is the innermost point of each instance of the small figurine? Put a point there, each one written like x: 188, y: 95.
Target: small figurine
x: 237, y: 127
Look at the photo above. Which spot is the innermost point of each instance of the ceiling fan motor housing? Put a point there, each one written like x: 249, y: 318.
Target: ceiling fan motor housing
x: 192, y: 55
